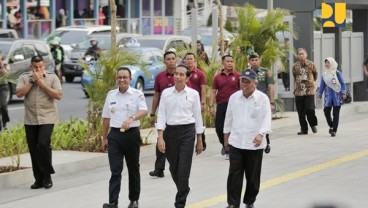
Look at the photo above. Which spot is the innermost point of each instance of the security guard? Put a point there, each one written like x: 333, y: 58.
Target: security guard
x: 40, y: 89
x: 123, y: 109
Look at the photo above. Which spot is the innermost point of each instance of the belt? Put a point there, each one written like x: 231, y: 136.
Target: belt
x: 126, y: 131
x: 179, y: 125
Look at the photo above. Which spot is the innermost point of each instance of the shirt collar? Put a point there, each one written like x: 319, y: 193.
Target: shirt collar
x: 223, y: 71
x: 129, y: 91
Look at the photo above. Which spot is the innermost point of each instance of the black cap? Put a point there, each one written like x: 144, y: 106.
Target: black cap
x: 249, y: 74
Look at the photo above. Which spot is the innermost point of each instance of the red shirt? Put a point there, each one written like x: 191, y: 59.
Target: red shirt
x: 225, y: 85
x: 163, y: 81
x: 196, y: 80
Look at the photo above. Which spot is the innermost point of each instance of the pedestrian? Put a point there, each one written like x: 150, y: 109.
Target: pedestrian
x: 163, y: 80
x: 123, y: 109
x: 57, y: 55
x: 305, y: 74
x: 333, y: 86
x: 4, y: 94
x: 179, y: 120
x: 197, y: 81
x: 93, y: 50
x: 264, y: 77
x: 365, y: 66
x: 40, y: 89
x: 61, y: 19
x: 101, y: 16
x: 224, y: 84
x: 248, y: 120
x: 202, y: 55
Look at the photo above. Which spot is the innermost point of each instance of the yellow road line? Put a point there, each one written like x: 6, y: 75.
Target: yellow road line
x: 286, y: 178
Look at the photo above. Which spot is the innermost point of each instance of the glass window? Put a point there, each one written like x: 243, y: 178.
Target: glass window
x: 41, y: 49
x: 157, y: 7
x: 146, y: 7
x: 169, y: 8
x: 152, y: 43
x: 29, y: 51
x: 18, y: 51
x: 158, y: 55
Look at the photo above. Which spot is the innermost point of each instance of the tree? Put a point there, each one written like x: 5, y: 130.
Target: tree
x: 259, y: 35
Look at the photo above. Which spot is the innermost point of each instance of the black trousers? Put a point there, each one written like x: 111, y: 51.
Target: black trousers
x: 305, y: 106
x: 39, y: 139
x: 332, y: 122
x: 248, y: 162
x: 4, y: 93
x: 124, y: 144
x: 160, y: 160
x: 179, y: 152
x: 220, y: 121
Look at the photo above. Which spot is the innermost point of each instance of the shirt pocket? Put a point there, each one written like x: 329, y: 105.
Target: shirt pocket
x: 255, y: 111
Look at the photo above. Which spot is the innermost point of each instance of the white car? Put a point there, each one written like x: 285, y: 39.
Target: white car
x: 71, y: 35
x: 162, y: 42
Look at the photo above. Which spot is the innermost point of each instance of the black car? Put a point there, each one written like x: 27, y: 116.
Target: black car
x: 17, y: 54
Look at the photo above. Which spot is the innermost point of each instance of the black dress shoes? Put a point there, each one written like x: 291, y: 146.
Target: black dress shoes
x: 36, y: 185
x: 302, y: 133
x: 314, y: 129
x: 112, y: 205
x: 47, y: 183
x: 333, y: 134
x: 249, y: 206
x: 133, y: 204
x: 157, y: 173
x: 232, y: 206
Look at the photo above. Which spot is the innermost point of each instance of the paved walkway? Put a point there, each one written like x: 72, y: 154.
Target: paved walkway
x: 300, y: 171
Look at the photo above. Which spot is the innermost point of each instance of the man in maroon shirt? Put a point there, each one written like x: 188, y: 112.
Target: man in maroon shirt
x: 198, y: 82
x: 163, y: 80
x: 225, y: 83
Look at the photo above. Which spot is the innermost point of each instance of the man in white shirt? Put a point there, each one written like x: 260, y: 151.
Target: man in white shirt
x: 123, y: 109
x: 248, y: 118
x: 179, y: 120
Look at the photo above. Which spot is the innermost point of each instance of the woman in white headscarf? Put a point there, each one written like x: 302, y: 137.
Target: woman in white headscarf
x: 333, y: 85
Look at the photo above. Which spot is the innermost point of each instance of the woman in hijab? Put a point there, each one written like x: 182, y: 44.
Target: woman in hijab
x: 333, y: 85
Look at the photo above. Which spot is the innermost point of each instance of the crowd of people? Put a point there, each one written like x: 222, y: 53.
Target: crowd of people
x: 241, y: 103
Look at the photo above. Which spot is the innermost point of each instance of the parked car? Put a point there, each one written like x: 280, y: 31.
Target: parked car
x: 17, y: 54
x: 72, y: 67
x: 74, y: 34
x: 163, y: 42
x: 8, y: 33
x: 206, y: 37
x: 143, y: 77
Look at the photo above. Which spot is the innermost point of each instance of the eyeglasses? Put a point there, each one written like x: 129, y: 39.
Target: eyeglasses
x: 124, y: 77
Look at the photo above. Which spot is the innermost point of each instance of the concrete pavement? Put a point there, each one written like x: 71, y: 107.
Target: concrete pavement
x: 299, y: 172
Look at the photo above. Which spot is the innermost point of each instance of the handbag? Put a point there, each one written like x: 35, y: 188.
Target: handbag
x: 348, y: 98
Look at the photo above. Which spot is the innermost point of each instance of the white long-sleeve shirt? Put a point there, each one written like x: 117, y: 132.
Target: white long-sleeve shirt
x: 246, y: 118
x: 179, y: 108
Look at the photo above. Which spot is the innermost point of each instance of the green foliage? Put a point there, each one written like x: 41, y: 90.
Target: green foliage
x: 228, y: 26
x: 13, y: 143
x: 259, y: 35
x: 104, y: 81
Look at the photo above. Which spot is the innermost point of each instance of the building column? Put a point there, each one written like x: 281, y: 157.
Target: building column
x: 4, y: 13
x: 70, y: 8
x: 52, y: 15
x: 304, y: 22
x: 96, y: 11
x: 360, y: 19
x: 129, y: 16
x: 24, y: 31
x: 337, y: 31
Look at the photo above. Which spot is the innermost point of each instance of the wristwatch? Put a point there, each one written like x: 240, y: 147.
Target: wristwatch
x: 133, y: 117
x: 31, y: 81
